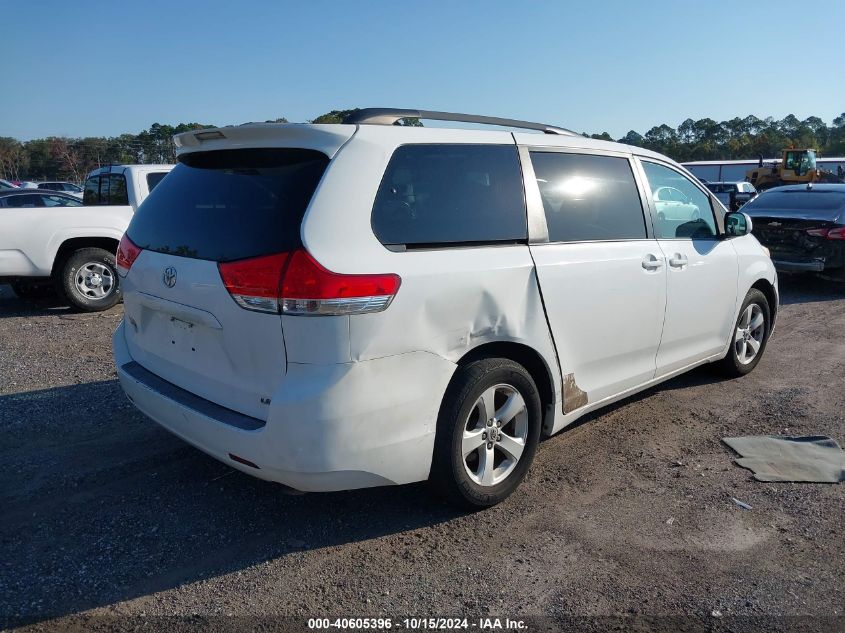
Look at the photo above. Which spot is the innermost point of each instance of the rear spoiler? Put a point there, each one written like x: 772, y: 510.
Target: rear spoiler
x: 324, y: 138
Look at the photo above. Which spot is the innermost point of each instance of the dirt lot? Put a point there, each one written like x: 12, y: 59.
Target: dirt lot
x: 626, y: 515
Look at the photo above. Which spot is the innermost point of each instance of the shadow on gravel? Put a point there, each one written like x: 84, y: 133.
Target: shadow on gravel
x: 809, y: 289
x: 13, y: 306
x: 101, y: 505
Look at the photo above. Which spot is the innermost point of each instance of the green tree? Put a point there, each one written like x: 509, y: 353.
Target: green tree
x: 14, y: 159
x: 335, y: 116
x: 748, y: 137
x: 633, y: 138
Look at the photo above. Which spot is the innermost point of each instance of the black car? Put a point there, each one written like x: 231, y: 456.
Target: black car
x: 803, y: 226
x: 37, y: 198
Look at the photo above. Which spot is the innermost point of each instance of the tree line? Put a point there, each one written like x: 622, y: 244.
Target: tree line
x: 61, y: 158
x: 740, y: 138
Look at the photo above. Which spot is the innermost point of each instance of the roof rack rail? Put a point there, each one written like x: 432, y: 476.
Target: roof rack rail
x: 389, y: 116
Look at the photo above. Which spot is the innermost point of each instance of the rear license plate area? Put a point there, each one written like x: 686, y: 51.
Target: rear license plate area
x: 182, y: 335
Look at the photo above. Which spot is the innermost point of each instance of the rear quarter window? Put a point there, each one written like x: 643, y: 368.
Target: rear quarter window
x: 440, y: 195
x: 228, y: 205
x: 153, y: 178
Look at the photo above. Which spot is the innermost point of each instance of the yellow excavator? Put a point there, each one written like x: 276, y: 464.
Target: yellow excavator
x: 797, y: 166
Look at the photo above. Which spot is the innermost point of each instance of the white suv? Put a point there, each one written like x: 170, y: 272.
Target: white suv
x: 342, y: 306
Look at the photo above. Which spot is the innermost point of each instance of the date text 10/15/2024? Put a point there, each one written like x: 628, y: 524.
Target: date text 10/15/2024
x: 416, y: 624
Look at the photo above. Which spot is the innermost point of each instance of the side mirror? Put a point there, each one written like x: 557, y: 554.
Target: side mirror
x: 737, y: 224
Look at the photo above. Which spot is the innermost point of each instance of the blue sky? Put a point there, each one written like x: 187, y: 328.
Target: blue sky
x: 116, y: 67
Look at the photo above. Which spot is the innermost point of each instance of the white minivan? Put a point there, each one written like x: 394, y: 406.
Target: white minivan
x: 343, y: 306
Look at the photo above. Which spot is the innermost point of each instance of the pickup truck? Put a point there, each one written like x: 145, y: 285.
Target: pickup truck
x: 72, y: 248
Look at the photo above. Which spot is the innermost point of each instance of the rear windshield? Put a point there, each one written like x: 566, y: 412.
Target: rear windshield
x: 230, y: 204
x: 797, y: 200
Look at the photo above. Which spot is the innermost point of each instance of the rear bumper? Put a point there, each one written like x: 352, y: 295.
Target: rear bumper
x: 330, y: 427
x: 798, y: 252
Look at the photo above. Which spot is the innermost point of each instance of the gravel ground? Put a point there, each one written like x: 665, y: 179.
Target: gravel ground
x: 111, y: 522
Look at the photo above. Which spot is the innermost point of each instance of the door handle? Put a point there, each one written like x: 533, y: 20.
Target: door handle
x: 652, y: 262
x: 678, y: 261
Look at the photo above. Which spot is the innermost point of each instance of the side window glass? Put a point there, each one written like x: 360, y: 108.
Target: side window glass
x: 91, y: 195
x: 588, y: 197
x: 682, y: 209
x: 451, y: 194
x: 153, y: 178
x: 117, y: 190
x: 52, y: 201
x: 24, y: 201
x: 59, y: 201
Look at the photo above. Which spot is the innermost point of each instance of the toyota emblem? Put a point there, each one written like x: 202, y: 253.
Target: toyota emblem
x: 169, y: 277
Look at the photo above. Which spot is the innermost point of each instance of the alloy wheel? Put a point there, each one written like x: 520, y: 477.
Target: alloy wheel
x: 495, y: 434
x: 749, y: 334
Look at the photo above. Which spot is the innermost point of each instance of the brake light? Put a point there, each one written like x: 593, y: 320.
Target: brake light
x: 127, y: 253
x: 297, y: 284
x: 837, y: 233
x: 254, y: 283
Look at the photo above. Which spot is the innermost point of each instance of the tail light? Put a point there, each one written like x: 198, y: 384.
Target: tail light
x: 296, y: 284
x: 127, y: 253
x: 837, y: 233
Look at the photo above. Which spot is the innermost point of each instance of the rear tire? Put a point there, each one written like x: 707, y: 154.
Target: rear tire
x: 88, y: 280
x: 749, y: 336
x: 479, y: 459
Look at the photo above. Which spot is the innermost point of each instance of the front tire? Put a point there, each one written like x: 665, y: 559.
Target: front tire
x: 487, y: 433
x: 750, y: 335
x: 88, y: 280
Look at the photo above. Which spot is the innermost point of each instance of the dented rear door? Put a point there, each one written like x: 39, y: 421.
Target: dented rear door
x: 601, y: 273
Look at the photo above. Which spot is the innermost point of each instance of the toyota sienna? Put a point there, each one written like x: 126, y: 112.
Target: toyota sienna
x: 343, y: 306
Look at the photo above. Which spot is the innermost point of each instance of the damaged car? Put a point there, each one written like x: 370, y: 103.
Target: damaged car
x: 338, y: 306
x: 803, y: 226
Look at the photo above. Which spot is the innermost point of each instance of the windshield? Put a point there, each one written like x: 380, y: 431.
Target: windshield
x: 800, y: 161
